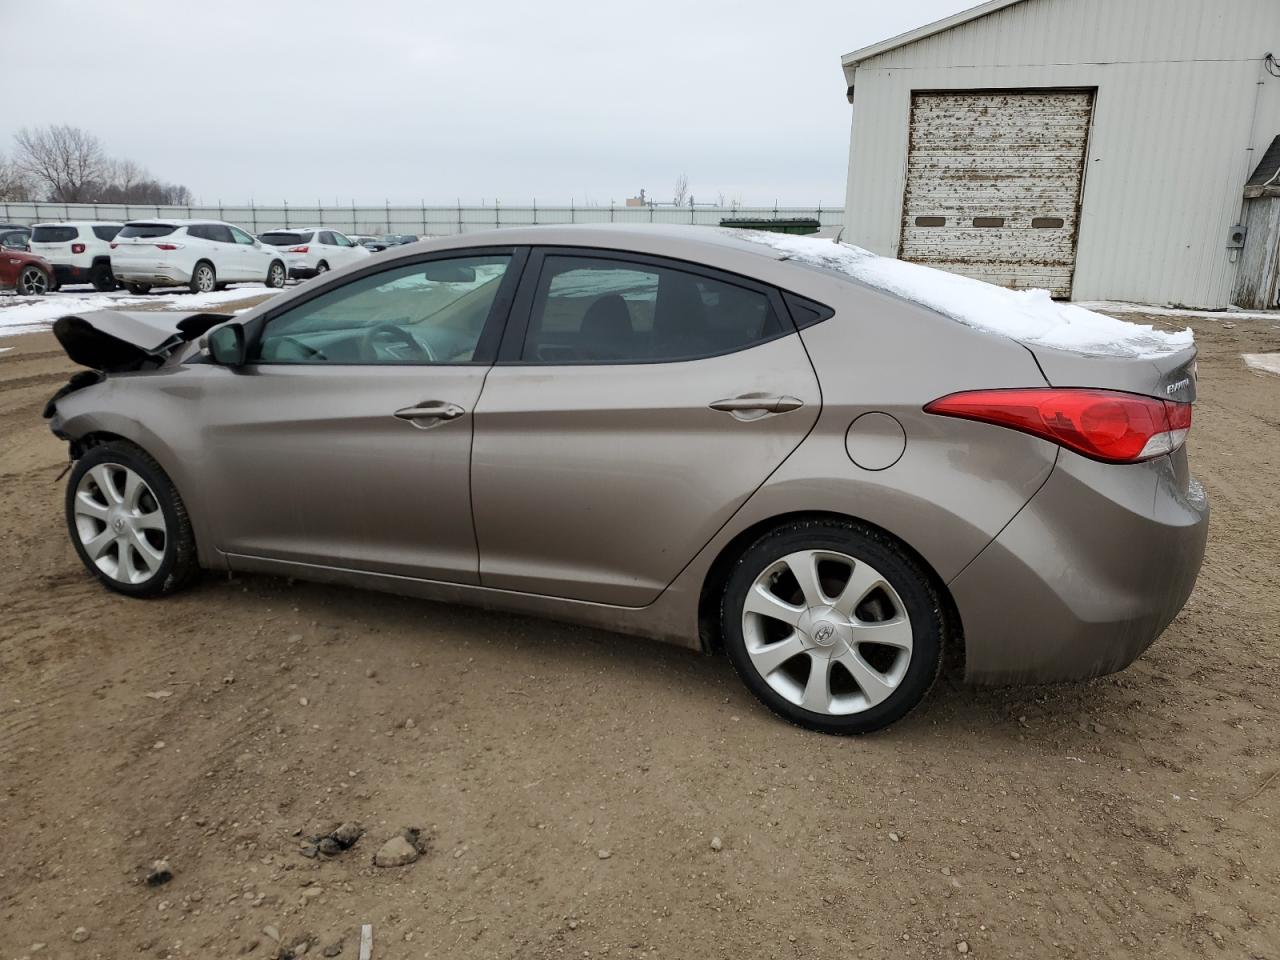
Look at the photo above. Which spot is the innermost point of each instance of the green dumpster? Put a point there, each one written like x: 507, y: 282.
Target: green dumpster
x: 776, y: 225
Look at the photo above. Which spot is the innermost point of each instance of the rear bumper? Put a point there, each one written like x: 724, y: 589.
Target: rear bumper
x: 69, y: 273
x: 1087, y: 575
x: 157, y: 276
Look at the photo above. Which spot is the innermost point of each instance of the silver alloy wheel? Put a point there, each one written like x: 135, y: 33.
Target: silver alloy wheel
x: 205, y: 280
x: 33, y: 282
x: 120, y: 523
x: 834, y: 615
x: 275, y: 276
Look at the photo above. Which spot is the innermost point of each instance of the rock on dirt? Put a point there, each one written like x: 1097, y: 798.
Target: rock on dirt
x: 396, y: 852
x: 79, y: 935
x: 159, y: 874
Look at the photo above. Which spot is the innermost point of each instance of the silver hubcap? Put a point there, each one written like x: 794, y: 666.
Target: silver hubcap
x: 33, y: 281
x: 119, y: 522
x: 277, y: 276
x: 827, y: 632
x: 204, y: 279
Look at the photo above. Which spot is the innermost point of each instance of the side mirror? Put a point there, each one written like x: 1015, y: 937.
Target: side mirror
x: 226, y: 345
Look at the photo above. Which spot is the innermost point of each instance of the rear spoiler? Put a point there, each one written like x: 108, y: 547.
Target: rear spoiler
x: 115, y: 341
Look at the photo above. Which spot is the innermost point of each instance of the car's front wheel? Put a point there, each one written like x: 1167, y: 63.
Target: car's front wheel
x: 833, y: 625
x: 128, y: 523
x: 102, y: 279
x: 34, y: 282
x: 276, y: 276
x: 203, y: 279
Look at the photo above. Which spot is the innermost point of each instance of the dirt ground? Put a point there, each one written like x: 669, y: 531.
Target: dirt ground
x: 570, y: 783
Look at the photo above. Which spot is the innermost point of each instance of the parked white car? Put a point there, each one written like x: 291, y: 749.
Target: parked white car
x: 78, y: 250
x: 311, y: 251
x: 204, y: 255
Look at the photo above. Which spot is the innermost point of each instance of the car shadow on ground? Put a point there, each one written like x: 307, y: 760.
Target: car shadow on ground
x: 706, y: 683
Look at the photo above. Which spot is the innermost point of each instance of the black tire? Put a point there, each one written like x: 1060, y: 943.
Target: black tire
x: 220, y: 286
x: 896, y: 565
x: 179, y: 565
x: 204, y: 278
x: 321, y: 268
x: 102, y: 279
x: 277, y: 275
x: 138, y: 289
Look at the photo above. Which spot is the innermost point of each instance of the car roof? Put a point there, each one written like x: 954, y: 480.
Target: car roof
x: 80, y: 223
x: 180, y: 222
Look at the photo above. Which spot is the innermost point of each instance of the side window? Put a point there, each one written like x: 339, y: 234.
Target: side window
x: 599, y: 310
x: 219, y: 232
x: 106, y: 232
x: 240, y: 236
x: 419, y: 314
x: 327, y: 238
x: 199, y: 231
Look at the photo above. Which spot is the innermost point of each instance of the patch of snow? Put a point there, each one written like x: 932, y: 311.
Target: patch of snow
x: 1266, y: 362
x: 31, y: 314
x: 1028, y: 316
x: 1151, y: 310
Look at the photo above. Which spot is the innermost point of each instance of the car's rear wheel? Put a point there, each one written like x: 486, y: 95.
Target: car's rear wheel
x: 138, y: 288
x: 321, y: 267
x: 203, y: 278
x: 276, y: 276
x: 833, y: 625
x: 128, y: 523
x: 33, y: 282
x: 102, y: 279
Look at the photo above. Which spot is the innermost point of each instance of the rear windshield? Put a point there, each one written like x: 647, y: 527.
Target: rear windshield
x: 281, y: 239
x: 106, y: 232
x: 147, y: 230
x: 53, y: 234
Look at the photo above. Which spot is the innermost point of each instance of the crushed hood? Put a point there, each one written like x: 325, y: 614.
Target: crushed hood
x: 114, y: 341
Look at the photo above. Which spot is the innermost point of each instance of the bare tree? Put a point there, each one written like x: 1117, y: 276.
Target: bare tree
x: 682, y: 190
x: 64, y: 160
x: 14, y: 183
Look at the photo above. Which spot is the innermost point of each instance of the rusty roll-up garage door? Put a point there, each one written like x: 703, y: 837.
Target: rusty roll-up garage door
x: 993, y: 184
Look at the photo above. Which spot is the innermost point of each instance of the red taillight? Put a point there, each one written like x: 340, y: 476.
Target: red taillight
x: 77, y: 248
x: 297, y: 250
x: 1105, y: 425
x: 166, y: 246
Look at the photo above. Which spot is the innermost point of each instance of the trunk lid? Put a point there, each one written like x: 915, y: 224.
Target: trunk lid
x: 1170, y: 376
x: 115, y: 341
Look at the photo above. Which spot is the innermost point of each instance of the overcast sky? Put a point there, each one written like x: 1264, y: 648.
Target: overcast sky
x: 370, y: 100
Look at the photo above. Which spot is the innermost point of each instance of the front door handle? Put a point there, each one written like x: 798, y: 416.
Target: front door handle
x: 753, y: 403
x: 430, y: 410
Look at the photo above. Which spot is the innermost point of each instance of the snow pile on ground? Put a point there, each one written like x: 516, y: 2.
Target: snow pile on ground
x: 1266, y: 362
x: 30, y: 314
x: 1028, y: 316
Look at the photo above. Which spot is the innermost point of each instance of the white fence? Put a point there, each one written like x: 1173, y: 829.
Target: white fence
x: 422, y: 219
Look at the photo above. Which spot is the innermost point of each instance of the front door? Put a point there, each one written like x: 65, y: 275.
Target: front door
x: 252, y: 258
x: 643, y: 402
x: 346, y: 440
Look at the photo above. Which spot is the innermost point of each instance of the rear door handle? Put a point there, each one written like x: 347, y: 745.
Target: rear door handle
x: 757, y: 404
x: 428, y: 411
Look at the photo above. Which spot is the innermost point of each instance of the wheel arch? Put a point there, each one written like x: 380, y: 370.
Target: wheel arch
x: 718, y: 574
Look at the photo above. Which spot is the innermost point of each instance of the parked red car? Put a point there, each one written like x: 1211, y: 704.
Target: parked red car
x: 26, y: 273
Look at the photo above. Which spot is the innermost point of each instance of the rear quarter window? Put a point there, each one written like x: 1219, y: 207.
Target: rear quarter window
x: 145, y: 230
x: 53, y: 234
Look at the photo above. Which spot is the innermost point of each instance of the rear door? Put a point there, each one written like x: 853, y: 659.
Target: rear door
x: 637, y: 403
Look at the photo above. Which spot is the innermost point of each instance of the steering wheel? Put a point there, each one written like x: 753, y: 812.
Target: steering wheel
x: 388, y: 333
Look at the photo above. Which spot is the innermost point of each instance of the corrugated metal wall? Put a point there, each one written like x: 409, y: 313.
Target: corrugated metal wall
x: 1183, y: 111
x: 422, y: 220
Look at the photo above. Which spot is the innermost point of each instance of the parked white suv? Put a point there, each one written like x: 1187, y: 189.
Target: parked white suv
x: 311, y: 251
x: 78, y: 250
x: 201, y: 254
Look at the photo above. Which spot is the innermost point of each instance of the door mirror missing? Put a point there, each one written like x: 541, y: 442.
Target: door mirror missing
x: 226, y: 345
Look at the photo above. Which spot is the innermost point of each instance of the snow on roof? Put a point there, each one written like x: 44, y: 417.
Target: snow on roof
x: 1031, y: 317
x: 928, y: 30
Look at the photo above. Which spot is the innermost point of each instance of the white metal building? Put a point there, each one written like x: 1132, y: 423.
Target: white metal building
x: 1096, y: 148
